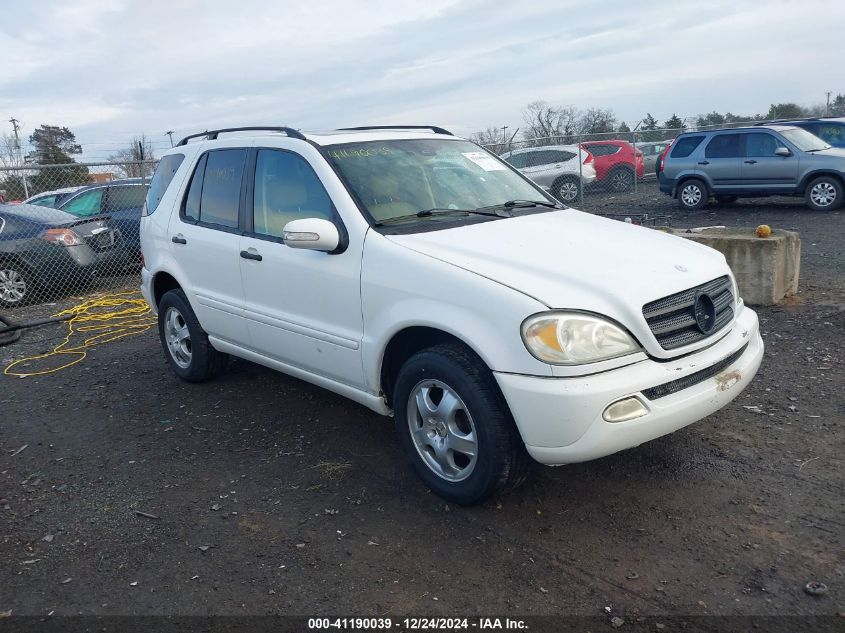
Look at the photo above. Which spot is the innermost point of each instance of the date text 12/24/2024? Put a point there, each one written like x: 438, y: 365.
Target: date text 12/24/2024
x: 416, y: 624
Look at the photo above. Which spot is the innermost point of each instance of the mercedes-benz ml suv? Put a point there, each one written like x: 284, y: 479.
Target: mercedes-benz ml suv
x: 425, y: 278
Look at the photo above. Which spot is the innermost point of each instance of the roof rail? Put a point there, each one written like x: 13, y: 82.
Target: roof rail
x: 211, y: 135
x: 433, y: 128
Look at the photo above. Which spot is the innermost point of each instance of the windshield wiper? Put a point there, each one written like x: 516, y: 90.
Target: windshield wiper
x: 523, y: 204
x: 425, y: 213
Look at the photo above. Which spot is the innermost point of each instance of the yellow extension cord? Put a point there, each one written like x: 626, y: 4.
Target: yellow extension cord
x: 106, y: 318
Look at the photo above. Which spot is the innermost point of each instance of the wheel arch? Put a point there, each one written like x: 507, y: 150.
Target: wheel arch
x: 163, y: 282
x: 407, y: 342
x: 808, y: 178
x: 684, y: 178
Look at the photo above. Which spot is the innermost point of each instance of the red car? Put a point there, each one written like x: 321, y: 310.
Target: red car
x: 617, y: 163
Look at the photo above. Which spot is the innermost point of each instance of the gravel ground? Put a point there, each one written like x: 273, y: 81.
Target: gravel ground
x: 274, y: 496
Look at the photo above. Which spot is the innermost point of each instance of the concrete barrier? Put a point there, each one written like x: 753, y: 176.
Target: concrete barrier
x: 766, y: 268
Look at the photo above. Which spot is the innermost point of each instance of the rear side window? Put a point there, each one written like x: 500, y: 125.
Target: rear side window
x: 685, y: 146
x: 162, y: 178
x: 215, y: 191
x: 124, y: 198
x: 45, y: 201
x: 723, y: 146
x: 518, y: 160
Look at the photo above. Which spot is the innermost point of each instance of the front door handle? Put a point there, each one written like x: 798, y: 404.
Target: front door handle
x: 751, y: 162
x: 178, y: 239
x: 704, y: 162
x: 254, y: 256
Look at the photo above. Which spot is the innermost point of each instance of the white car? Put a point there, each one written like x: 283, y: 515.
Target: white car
x: 556, y: 168
x: 53, y: 198
x: 423, y: 277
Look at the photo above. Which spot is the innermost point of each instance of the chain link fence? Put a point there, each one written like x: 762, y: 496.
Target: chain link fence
x: 69, y: 229
x: 577, y: 167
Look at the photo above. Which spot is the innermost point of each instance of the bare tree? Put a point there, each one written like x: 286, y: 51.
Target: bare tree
x: 555, y: 125
x: 9, y: 155
x: 131, y: 160
x: 492, y: 138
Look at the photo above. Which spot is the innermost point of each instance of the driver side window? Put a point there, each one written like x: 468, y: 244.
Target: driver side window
x: 286, y: 189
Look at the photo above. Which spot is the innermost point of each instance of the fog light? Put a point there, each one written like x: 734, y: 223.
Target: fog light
x: 624, y: 410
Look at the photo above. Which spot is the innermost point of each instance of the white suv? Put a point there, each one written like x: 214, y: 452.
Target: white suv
x: 423, y: 277
x: 562, y: 170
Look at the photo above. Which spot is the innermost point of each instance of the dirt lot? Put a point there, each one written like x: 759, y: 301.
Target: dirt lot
x: 273, y: 496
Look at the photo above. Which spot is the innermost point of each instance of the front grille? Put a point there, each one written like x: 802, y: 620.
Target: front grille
x: 672, y: 319
x: 693, y: 379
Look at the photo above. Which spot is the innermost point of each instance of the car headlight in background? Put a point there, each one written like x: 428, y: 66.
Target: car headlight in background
x: 572, y: 338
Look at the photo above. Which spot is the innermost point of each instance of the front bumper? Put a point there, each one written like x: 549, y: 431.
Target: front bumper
x: 561, y: 422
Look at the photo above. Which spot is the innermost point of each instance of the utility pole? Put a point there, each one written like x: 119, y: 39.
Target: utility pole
x: 14, y: 123
x: 827, y: 107
x: 504, y: 129
x: 170, y: 134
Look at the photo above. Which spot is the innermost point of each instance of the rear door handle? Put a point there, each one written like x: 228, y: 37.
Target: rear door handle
x: 178, y: 239
x: 751, y: 162
x: 253, y: 256
x: 704, y: 162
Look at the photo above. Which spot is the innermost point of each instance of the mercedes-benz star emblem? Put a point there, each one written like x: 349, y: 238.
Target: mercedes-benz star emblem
x: 705, y: 313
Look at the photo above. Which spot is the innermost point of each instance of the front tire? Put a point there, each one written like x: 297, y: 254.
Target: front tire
x: 17, y: 285
x: 185, y: 343
x: 692, y: 195
x: 824, y: 194
x: 455, y: 427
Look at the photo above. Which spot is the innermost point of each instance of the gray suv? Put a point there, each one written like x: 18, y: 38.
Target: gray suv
x: 766, y: 160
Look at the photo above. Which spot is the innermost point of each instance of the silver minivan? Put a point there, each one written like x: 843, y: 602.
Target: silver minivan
x: 753, y: 162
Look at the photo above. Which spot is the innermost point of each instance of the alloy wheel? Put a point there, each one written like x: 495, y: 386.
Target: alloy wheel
x: 691, y: 195
x: 823, y: 194
x: 12, y: 286
x: 442, y: 430
x: 178, y: 337
x: 567, y: 191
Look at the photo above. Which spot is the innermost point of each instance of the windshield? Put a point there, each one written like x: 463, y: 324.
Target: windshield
x: 394, y: 179
x: 804, y: 140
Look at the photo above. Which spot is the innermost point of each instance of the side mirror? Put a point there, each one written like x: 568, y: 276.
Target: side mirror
x: 314, y: 234
x: 783, y: 151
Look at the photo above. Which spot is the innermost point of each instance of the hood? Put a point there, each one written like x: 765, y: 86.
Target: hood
x: 573, y: 260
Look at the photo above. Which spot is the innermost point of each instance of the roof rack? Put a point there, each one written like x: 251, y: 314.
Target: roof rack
x: 211, y: 135
x: 433, y: 128
x: 797, y: 118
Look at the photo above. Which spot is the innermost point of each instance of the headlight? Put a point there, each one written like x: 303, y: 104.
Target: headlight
x: 571, y: 338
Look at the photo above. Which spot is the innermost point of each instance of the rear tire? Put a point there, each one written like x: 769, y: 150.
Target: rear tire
x: 455, y: 426
x: 185, y: 343
x: 621, y: 180
x: 824, y: 194
x: 692, y: 195
x: 567, y: 189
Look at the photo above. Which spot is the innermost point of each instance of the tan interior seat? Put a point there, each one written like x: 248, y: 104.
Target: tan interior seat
x: 386, y: 201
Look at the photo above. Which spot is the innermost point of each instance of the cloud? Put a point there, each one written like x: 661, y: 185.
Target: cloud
x: 112, y: 69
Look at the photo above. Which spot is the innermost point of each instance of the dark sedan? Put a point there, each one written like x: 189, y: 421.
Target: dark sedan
x: 43, y: 248
x: 121, y: 200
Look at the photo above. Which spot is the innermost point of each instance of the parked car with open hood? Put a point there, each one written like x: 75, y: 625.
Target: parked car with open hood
x: 425, y: 278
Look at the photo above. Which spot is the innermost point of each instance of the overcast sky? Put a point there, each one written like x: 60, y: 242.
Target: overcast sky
x: 113, y: 69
